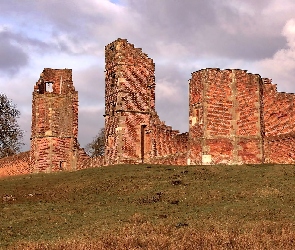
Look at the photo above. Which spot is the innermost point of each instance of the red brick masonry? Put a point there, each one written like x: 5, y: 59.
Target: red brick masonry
x: 15, y: 165
x: 234, y: 118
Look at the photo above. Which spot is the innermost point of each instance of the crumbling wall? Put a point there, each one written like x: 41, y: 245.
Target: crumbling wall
x: 225, y: 117
x: 279, y: 119
x: 134, y: 132
x: 85, y: 161
x: 168, y: 146
x: 129, y: 101
x: 196, y: 118
x: 54, y: 131
x: 54, y: 144
x: 15, y: 165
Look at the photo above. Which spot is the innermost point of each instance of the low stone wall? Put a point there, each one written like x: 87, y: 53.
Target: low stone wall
x: 85, y: 161
x: 20, y: 163
x: 15, y: 165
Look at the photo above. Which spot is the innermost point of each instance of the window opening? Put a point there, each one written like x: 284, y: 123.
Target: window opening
x: 49, y: 87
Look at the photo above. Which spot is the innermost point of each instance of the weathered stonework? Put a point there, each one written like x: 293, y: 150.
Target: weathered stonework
x: 54, y: 131
x: 134, y: 132
x: 54, y: 144
x: 234, y: 118
x: 54, y: 140
x: 15, y: 165
x: 226, y: 125
x: 279, y: 118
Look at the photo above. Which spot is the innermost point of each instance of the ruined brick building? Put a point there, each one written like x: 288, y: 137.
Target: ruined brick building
x: 234, y: 118
x: 134, y: 132
x: 54, y: 136
x: 54, y: 129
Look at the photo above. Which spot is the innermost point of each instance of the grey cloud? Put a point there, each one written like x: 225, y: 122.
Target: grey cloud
x: 170, y: 71
x: 12, y: 57
x: 173, y: 109
x: 174, y: 114
x: 15, y: 49
x: 14, y: 7
x: 204, y: 27
x: 68, y: 16
x: 239, y: 46
x: 25, y: 122
x: 198, y: 26
x: 90, y: 85
x: 43, y: 12
x: 56, y: 19
x: 180, y: 16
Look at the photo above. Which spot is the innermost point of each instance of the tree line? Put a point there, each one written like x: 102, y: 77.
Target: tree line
x: 10, y: 133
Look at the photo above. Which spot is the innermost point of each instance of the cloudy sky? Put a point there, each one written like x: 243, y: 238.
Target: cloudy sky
x: 182, y: 36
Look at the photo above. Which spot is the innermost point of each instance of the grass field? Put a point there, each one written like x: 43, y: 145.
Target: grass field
x: 151, y: 207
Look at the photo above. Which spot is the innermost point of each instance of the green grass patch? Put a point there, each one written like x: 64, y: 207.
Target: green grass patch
x: 91, y: 203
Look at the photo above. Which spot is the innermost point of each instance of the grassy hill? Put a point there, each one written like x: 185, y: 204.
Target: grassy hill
x: 151, y: 207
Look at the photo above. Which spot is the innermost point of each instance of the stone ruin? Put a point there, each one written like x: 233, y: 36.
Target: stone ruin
x: 235, y: 117
x: 54, y: 130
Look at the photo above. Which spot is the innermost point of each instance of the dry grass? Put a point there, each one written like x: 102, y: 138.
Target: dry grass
x: 151, y: 207
x: 143, y: 235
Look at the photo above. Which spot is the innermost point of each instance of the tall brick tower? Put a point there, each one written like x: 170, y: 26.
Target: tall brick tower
x: 226, y: 117
x: 129, y: 103
x: 54, y: 134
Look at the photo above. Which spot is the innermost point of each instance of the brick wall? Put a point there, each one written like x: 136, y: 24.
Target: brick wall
x: 279, y: 119
x: 249, y: 115
x: 84, y: 161
x: 54, y: 144
x: 134, y: 132
x: 15, y: 165
x: 54, y: 131
x: 168, y: 146
x: 225, y: 117
x: 129, y: 101
x: 234, y: 118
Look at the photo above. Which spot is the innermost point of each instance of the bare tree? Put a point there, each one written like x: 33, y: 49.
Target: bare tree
x: 96, y: 147
x: 10, y: 133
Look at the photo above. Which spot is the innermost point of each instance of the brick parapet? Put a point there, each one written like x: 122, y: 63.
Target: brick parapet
x: 85, y: 161
x: 166, y: 142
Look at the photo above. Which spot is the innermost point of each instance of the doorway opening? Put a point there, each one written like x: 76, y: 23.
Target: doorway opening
x: 142, y: 142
